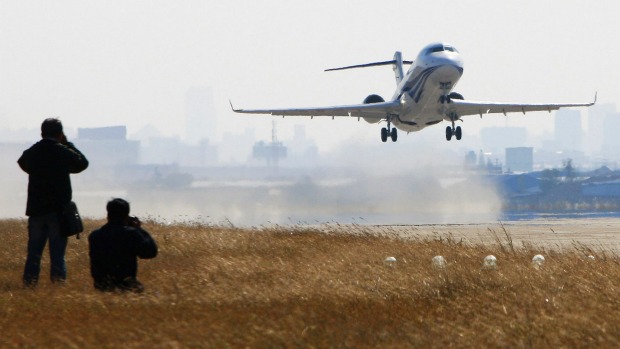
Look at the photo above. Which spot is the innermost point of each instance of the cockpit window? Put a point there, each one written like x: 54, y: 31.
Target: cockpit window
x: 440, y: 48
x: 434, y: 49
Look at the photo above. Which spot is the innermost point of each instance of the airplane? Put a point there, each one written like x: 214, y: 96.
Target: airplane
x: 424, y: 97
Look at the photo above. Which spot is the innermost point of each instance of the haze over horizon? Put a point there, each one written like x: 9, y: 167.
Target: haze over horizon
x: 106, y: 63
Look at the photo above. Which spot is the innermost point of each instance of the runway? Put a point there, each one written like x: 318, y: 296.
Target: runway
x: 598, y: 234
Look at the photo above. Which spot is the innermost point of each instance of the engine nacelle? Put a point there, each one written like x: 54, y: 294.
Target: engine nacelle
x: 454, y: 95
x: 373, y: 99
x: 369, y: 100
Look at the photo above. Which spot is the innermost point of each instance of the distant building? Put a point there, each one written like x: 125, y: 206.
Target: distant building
x: 103, y: 133
x: 568, y: 130
x: 108, y: 146
x: 486, y: 165
x: 302, y: 151
x: 271, y: 152
x: 200, y: 115
x: 519, y: 159
x: 596, y: 126
x: 470, y: 160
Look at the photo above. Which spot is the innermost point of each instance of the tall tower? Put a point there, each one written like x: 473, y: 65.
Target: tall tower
x: 568, y: 131
x: 200, y: 115
x: 271, y: 152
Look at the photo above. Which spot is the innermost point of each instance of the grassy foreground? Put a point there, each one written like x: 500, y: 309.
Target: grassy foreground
x: 222, y: 287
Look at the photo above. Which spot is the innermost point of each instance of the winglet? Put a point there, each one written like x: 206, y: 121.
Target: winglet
x: 593, y: 102
x: 233, y: 108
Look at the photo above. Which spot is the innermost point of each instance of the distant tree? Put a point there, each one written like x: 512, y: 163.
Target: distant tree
x: 549, y: 179
x: 569, y: 170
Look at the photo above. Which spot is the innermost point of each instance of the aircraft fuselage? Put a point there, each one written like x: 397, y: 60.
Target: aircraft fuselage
x: 431, y: 77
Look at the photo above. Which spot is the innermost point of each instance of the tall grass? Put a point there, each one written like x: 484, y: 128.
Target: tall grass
x: 282, y: 287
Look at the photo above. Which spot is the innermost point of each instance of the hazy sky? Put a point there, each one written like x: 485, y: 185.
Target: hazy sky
x: 101, y: 63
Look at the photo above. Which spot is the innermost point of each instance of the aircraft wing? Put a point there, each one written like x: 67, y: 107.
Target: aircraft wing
x: 371, y: 110
x: 464, y: 107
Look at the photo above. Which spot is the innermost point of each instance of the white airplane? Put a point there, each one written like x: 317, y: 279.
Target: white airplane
x: 423, y: 97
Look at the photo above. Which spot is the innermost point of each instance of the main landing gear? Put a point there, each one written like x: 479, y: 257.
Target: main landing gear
x: 456, y: 132
x: 451, y: 130
x: 389, y: 131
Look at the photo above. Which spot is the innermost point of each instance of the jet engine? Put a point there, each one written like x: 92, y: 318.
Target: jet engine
x: 373, y: 99
x: 454, y: 95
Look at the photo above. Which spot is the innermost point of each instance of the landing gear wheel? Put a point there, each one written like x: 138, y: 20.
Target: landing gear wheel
x: 394, y: 135
x: 384, y: 134
x: 458, y: 133
x: 448, y: 133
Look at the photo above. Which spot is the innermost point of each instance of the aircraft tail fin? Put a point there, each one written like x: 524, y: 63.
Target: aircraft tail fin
x: 397, y: 66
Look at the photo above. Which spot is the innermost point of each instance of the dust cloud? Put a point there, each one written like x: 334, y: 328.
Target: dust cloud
x: 357, y: 184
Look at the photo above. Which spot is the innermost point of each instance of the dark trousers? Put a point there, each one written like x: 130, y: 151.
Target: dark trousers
x: 40, y: 230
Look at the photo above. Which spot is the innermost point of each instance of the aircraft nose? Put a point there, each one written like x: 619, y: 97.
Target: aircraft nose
x: 446, y: 72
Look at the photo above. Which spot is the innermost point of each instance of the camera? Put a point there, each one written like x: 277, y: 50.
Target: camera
x: 134, y: 221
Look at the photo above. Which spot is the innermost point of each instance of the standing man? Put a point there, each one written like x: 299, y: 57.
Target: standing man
x: 48, y: 164
x: 115, y: 247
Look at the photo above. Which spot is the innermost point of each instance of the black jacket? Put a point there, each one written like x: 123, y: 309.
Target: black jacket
x: 113, y: 251
x: 48, y: 164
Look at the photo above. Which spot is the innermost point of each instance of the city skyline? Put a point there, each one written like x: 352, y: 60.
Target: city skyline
x: 568, y: 138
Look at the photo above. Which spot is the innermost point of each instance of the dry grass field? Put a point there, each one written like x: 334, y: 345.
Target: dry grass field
x: 288, y: 287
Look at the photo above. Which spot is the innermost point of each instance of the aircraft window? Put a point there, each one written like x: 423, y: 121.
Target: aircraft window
x: 434, y: 49
x: 440, y: 48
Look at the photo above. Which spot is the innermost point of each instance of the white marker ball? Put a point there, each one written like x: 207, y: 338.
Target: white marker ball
x: 538, y: 259
x: 390, y: 262
x: 490, y: 262
x: 439, y: 262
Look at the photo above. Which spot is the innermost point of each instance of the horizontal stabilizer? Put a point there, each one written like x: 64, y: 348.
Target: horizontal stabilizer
x: 369, y: 65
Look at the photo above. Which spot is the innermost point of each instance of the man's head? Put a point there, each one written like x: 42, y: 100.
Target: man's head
x: 118, y: 210
x: 51, y: 128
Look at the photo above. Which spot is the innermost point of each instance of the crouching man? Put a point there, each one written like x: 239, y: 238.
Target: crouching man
x: 115, y: 247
